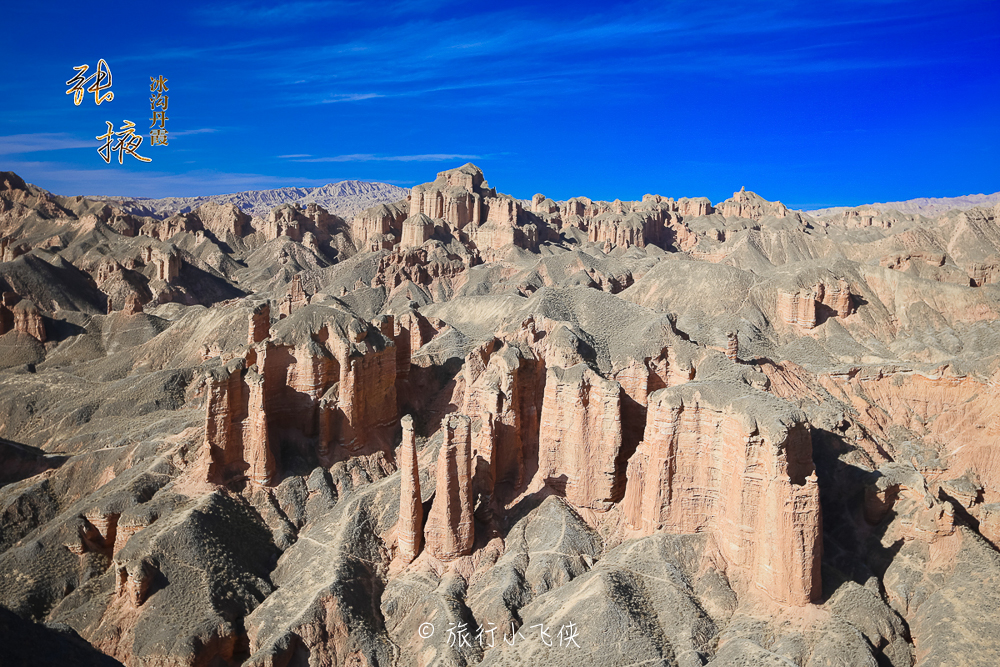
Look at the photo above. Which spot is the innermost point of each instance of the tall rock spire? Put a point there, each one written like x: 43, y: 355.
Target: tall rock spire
x: 409, y: 528
x: 450, y: 531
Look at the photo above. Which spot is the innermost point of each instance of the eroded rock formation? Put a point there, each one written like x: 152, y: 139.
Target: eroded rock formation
x: 450, y: 530
x: 409, y: 530
x: 740, y: 468
x: 745, y: 204
x: 618, y: 403
x: 580, y: 436
x: 22, y: 315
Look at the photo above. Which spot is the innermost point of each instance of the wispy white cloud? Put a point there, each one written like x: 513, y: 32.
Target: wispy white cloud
x: 299, y: 11
x: 295, y: 155
x: 140, y: 181
x: 271, y: 13
x: 510, y: 50
x: 354, y: 97
x: 44, y: 141
x: 369, y: 157
x: 184, y: 133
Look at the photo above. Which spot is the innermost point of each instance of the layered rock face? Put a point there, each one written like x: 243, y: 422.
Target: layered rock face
x: 507, y: 383
x: 741, y: 469
x: 450, y: 530
x: 618, y: 229
x: 800, y: 308
x: 417, y: 229
x: 580, y: 436
x: 225, y: 221
x: 167, y: 262
x: 372, y: 228
x: 280, y: 389
x: 236, y: 433
x: 454, y: 196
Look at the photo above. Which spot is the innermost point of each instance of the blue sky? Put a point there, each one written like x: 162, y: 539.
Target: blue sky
x: 815, y: 104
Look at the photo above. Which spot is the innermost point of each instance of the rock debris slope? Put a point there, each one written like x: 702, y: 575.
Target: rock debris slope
x: 462, y: 428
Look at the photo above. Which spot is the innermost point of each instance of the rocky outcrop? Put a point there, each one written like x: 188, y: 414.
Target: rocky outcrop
x: 22, y: 315
x: 986, y: 272
x: 128, y: 525
x: 410, y: 332
x: 366, y: 405
x: 371, y: 228
x: 900, y: 488
x: 455, y: 197
x: 542, y: 204
x: 580, y: 436
x: 506, y: 381
x: 810, y: 306
x: 227, y: 407
x: 409, y: 529
x: 257, y: 450
x: 502, y: 226
x: 744, y: 204
x: 164, y: 230
x: 741, y: 468
x: 225, y: 220
x: 104, y: 529
x: 133, y: 581
x: 294, y: 221
x: 798, y: 308
x: 695, y: 206
x: 429, y: 264
x: 259, y: 324
x: 338, y: 394
x: 417, y: 230
x: 285, y: 220
x: 295, y: 298
x: 732, y: 346
x: 450, y: 530
x: 623, y: 229
x: 166, y: 260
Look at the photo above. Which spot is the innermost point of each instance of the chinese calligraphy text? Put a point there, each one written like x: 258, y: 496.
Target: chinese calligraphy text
x: 158, y: 105
x: 127, y: 142
x: 101, y: 81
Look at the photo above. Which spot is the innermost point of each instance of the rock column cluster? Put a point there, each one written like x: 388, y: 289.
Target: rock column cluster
x: 800, y: 308
x: 740, y: 468
x: 341, y: 390
x: 450, y: 530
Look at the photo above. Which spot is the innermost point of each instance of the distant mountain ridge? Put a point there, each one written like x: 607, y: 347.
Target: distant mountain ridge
x: 927, y: 206
x: 346, y: 199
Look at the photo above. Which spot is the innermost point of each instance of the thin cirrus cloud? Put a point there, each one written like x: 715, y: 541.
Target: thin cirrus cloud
x: 355, y: 97
x: 370, y: 157
x: 184, y: 133
x: 66, y: 179
x: 41, y: 141
x: 257, y: 13
x: 14, y: 144
x: 299, y: 11
x: 596, y: 46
